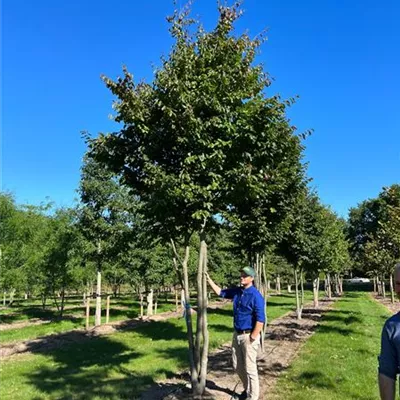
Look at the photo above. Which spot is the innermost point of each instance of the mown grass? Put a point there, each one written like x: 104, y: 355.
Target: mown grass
x: 117, y: 366
x: 120, y: 309
x: 75, y: 319
x: 340, y: 360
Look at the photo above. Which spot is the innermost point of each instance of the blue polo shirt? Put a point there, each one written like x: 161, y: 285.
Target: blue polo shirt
x: 248, y: 307
x: 390, y: 348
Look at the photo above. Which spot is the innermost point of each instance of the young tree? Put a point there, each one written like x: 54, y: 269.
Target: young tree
x: 105, y: 217
x: 57, y: 261
x: 299, y: 244
x: 374, y: 234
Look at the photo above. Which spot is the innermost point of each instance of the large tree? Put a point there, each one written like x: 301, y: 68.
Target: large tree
x: 199, y: 140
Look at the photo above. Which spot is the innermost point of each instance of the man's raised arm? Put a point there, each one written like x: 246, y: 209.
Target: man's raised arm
x: 214, y: 286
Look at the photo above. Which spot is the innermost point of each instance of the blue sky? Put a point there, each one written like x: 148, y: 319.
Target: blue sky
x: 341, y: 57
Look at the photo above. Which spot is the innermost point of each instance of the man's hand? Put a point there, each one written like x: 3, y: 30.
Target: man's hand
x: 214, y: 287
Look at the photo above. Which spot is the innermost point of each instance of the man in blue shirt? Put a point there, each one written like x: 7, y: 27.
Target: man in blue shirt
x: 248, y: 321
x: 389, y: 358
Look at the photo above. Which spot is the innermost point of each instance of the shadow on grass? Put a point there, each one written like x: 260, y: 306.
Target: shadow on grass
x: 316, y: 379
x: 283, y: 304
x: 335, y: 329
x: 220, y: 328
x: 88, y: 370
x: 29, y: 313
x: 88, y: 367
x: 347, y: 320
x: 83, y: 366
x: 160, y: 330
x: 118, y: 313
x: 220, y: 311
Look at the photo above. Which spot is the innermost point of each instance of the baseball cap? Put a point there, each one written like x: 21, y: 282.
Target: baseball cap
x: 249, y: 271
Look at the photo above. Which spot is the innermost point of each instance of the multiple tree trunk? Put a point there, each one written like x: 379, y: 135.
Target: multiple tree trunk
x: 198, y: 341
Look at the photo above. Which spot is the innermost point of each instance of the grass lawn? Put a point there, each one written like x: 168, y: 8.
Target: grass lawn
x: 118, y: 366
x: 76, y: 320
x: 340, y: 360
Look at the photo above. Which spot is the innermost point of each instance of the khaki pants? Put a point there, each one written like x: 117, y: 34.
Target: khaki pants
x: 244, y: 357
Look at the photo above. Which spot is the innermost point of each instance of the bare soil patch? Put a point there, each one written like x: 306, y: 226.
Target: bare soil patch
x: 394, y: 308
x: 36, y: 321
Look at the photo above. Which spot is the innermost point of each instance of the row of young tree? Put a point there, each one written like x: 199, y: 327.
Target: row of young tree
x: 205, y: 175
x: 374, y: 235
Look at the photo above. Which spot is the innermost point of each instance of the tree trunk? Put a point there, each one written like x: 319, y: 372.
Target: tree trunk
x: 315, y: 292
x: 278, y: 284
x: 264, y: 280
x: 55, y: 301
x: 62, y: 303
x: 44, y: 299
x: 183, y: 301
x: 204, y: 324
x: 149, y: 299
x: 12, y: 293
x: 257, y: 280
x: 108, y: 310
x: 98, y: 287
x: 391, y: 287
x: 375, y: 290
x: 176, y: 301
x: 201, y: 341
x: 383, y: 286
x: 264, y: 294
x: 336, y: 285
x: 302, y: 288
x: 296, y: 280
x: 155, y: 303
x: 188, y: 317
x: 289, y: 288
x: 98, y: 299
x: 87, y: 311
x: 141, y: 297
x: 341, y: 285
x: 4, y: 298
x: 328, y: 285
x: 379, y: 286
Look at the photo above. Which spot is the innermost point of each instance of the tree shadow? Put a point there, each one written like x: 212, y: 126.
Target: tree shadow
x: 347, y: 320
x: 221, y: 328
x: 335, y: 329
x: 157, y: 330
x: 283, y: 304
x: 117, y: 313
x: 29, y: 313
x: 316, y: 379
x: 90, y: 369
x: 220, y: 311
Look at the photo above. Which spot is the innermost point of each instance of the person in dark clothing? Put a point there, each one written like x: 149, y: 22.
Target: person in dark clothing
x: 389, y: 358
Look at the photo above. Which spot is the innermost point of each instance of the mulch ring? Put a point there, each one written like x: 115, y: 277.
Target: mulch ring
x: 394, y: 308
x: 284, y: 338
x: 37, y: 321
